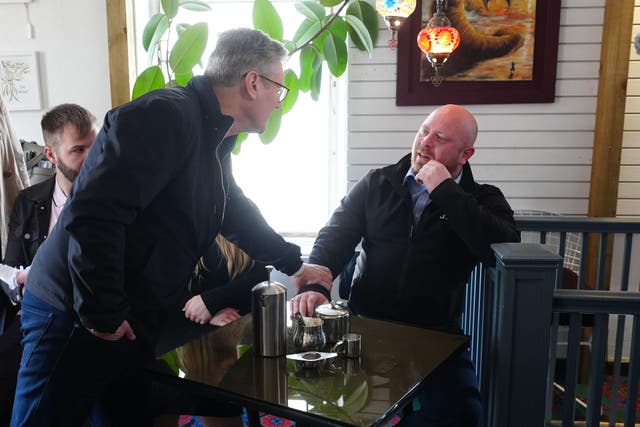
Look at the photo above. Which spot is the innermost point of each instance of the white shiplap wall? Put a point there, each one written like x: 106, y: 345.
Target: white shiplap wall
x: 629, y: 185
x: 538, y: 154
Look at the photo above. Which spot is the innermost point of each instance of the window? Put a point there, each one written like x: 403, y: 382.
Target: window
x: 296, y: 180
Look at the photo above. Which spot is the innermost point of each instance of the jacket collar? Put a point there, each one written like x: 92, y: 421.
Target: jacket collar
x: 40, y: 192
x: 396, y: 173
x: 217, y: 123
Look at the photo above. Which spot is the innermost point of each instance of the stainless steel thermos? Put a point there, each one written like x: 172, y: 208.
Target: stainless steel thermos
x: 269, y: 308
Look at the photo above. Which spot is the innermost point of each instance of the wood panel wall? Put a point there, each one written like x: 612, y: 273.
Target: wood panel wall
x: 629, y: 187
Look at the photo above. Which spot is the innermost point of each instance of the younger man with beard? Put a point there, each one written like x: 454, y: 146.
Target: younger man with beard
x: 69, y: 131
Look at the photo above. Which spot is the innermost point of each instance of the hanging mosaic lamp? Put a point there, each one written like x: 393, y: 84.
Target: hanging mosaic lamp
x: 395, y: 13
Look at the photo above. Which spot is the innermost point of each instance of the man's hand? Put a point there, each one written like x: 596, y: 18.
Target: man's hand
x: 21, y: 279
x: 124, y: 330
x: 225, y: 316
x: 196, y: 311
x: 306, y: 302
x: 432, y: 174
x: 313, y: 274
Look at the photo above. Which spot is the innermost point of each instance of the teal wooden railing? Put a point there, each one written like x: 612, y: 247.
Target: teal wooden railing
x: 516, y: 313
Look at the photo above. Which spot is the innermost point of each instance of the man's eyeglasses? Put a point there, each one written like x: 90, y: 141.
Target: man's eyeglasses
x: 282, y: 89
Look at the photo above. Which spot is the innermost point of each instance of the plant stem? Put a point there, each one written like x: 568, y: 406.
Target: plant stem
x: 324, y: 27
x: 166, y: 63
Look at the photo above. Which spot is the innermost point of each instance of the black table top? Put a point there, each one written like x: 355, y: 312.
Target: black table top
x: 366, y: 391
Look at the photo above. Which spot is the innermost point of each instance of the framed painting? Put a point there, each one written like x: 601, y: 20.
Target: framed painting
x: 507, y: 54
x: 19, y: 82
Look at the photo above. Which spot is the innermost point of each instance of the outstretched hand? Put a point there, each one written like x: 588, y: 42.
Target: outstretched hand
x: 313, y: 274
x: 306, y: 302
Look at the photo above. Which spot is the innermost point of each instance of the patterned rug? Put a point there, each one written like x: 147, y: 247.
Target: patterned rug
x: 266, y: 420
x: 607, y: 397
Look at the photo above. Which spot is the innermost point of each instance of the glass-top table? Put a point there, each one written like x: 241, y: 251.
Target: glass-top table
x: 396, y: 358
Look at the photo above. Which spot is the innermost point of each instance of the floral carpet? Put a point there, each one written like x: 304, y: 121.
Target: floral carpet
x: 266, y: 420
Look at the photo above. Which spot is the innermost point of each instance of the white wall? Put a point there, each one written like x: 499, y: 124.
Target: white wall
x: 70, y: 39
x: 538, y: 154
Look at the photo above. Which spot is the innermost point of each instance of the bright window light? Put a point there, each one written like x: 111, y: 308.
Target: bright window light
x: 288, y: 179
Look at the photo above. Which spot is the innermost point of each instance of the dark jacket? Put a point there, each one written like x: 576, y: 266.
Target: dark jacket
x: 152, y: 194
x: 29, y: 223
x: 413, y: 273
x: 218, y: 290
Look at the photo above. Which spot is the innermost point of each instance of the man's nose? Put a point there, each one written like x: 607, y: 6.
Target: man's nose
x: 426, y: 140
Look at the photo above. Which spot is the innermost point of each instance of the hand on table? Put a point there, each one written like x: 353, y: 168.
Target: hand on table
x: 224, y: 317
x: 313, y: 274
x: 306, y: 302
x: 196, y: 311
x: 124, y: 330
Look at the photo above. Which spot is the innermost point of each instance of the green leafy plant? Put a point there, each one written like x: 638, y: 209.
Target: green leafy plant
x: 322, y: 37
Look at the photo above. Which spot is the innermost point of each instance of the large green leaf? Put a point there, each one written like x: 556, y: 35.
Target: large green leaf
x: 154, y: 30
x: 338, y: 28
x: 183, y: 79
x: 367, y: 14
x: 181, y: 27
x: 170, y: 8
x: 239, y: 140
x: 150, y: 79
x: 272, y: 128
x: 335, y: 53
x: 189, y: 47
x: 266, y: 18
x: 305, y: 31
x: 357, y: 29
x: 330, y: 3
x: 307, y: 56
x: 316, y: 82
x: 197, y: 5
x: 311, y: 10
x: 291, y: 81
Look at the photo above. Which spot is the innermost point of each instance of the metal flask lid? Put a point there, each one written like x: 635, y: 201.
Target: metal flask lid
x: 269, y: 312
x: 332, y: 310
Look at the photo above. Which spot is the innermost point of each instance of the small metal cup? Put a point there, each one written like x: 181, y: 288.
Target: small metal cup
x: 350, y: 345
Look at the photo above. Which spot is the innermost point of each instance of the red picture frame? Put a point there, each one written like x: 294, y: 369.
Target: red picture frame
x: 541, y: 88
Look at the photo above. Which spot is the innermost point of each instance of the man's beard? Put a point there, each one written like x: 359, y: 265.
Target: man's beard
x: 67, y: 171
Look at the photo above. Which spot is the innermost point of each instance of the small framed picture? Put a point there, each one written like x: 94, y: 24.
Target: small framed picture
x: 19, y: 81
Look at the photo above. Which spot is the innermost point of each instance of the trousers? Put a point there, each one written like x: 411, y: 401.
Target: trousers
x: 67, y: 375
x: 449, y: 397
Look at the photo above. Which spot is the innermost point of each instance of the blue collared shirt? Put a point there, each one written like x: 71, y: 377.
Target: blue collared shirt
x: 420, y: 197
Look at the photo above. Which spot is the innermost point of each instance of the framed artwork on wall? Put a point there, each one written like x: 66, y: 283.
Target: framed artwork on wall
x: 19, y: 81
x: 507, y: 54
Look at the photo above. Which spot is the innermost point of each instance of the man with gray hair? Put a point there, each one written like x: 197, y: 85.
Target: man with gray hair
x: 154, y: 191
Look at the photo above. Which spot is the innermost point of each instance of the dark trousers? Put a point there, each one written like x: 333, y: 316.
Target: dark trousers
x: 449, y: 398
x: 66, y: 374
x: 10, y: 354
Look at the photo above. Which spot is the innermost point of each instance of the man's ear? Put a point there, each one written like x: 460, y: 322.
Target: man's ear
x: 51, y: 155
x: 250, y: 83
x: 467, y: 153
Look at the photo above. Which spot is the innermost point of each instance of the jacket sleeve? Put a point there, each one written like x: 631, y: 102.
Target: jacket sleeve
x: 136, y: 153
x: 337, y: 240
x: 479, y: 219
x: 245, y: 226
x: 14, y: 254
x: 235, y: 293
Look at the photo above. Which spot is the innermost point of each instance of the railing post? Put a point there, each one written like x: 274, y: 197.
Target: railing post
x: 518, y: 351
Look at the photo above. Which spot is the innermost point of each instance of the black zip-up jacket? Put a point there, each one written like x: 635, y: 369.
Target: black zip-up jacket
x: 414, y: 273
x: 152, y: 194
x: 29, y: 223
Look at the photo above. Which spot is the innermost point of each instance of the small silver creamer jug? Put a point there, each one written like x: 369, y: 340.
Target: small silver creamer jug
x: 269, y: 309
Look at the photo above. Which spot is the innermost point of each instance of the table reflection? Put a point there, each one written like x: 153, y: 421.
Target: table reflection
x: 360, y: 392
